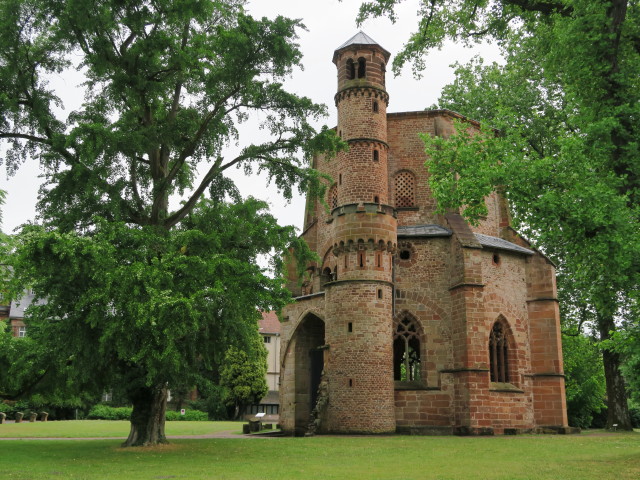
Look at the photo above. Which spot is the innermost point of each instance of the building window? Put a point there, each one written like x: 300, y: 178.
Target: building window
x: 362, y: 67
x: 351, y: 69
x: 499, y: 354
x: 376, y: 155
x: 406, y: 350
x: 333, y: 197
x: 375, y: 107
x: 22, y: 332
x: 267, y: 339
x: 405, y: 189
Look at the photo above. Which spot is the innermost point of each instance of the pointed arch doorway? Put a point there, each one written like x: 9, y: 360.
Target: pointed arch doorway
x: 309, y: 363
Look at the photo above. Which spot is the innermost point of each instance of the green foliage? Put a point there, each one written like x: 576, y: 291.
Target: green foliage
x: 189, y: 416
x: 244, y: 375
x: 584, y: 381
x: 213, y: 401
x: 105, y: 412
x: 142, y: 291
x: 139, y: 300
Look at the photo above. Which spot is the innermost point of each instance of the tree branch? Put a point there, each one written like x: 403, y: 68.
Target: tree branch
x: 24, y: 136
x: 546, y: 8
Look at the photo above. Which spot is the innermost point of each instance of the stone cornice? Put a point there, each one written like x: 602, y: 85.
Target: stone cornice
x: 368, y: 141
x: 363, y: 90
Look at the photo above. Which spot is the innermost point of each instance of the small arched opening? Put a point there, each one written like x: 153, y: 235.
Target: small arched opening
x: 362, y: 67
x: 351, y: 69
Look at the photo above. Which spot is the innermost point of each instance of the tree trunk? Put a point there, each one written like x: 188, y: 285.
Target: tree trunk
x: 148, y: 417
x: 617, y: 408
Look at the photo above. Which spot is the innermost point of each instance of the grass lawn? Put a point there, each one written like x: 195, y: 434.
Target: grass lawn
x: 106, y: 428
x: 572, y: 457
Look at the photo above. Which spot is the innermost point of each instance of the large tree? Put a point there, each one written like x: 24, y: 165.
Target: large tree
x: 140, y: 289
x: 566, y: 154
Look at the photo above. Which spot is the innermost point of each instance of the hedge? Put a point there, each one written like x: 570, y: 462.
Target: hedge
x: 104, y: 412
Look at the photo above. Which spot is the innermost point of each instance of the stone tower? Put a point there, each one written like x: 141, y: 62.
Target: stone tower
x: 363, y: 231
x: 412, y: 321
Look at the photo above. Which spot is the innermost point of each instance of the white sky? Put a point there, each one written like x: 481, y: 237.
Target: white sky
x: 330, y: 23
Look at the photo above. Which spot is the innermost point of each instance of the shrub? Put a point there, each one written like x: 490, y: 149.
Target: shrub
x: 190, y: 415
x: 105, y: 412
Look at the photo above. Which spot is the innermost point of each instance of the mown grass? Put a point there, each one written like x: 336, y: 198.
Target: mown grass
x: 572, y: 457
x: 106, y: 428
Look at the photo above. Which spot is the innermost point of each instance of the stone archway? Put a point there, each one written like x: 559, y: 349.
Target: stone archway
x: 308, y: 364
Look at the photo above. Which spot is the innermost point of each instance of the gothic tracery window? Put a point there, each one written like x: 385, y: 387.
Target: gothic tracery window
x: 406, y: 350
x: 499, y: 354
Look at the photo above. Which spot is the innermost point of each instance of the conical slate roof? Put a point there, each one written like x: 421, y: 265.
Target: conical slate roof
x: 362, y: 38
x: 359, y: 38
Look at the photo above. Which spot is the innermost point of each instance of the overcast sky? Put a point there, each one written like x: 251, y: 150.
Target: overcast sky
x: 330, y: 23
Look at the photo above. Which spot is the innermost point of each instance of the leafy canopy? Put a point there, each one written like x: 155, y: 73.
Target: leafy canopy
x: 147, y: 257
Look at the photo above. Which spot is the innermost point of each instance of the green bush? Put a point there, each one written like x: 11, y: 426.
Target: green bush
x: 190, y: 415
x: 105, y: 412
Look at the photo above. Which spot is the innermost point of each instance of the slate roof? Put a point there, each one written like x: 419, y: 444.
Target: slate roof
x: 430, y: 230
x: 499, y: 243
x: 19, y: 306
x: 486, y: 241
x: 269, y: 323
x: 362, y: 38
x: 359, y: 38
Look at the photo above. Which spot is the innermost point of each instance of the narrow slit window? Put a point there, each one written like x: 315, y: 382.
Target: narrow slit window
x: 362, y: 67
x: 351, y: 69
x: 376, y: 155
x: 498, y: 354
x: 375, y: 107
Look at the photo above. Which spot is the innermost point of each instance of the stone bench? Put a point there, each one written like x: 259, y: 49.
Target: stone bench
x: 256, y: 423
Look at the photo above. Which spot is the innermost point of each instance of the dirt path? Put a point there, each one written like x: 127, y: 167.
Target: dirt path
x: 227, y: 434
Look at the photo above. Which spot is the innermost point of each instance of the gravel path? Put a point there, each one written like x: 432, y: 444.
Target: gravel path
x: 228, y: 434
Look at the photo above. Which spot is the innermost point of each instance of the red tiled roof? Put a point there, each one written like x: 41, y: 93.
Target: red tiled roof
x: 269, y: 323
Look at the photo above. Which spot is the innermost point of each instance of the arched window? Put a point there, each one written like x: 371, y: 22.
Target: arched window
x: 405, y: 183
x: 333, y: 197
x: 351, y: 69
x: 406, y: 350
x: 499, y: 354
x: 362, y: 67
